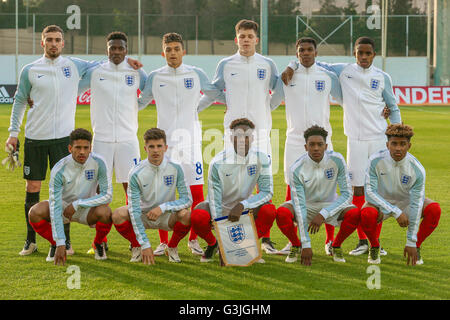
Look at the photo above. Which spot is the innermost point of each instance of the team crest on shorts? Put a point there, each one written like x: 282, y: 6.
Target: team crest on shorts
x: 251, y: 170
x: 329, y: 173
x: 320, y: 85
x: 374, y: 84
x: 188, y: 83
x: 26, y: 170
x: 261, y: 73
x: 405, y: 179
x: 236, y: 233
x: 129, y: 80
x: 168, y: 180
x: 67, y: 72
x: 89, y: 174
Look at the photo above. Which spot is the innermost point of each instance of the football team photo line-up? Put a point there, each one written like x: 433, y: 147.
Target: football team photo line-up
x: 379, y: 178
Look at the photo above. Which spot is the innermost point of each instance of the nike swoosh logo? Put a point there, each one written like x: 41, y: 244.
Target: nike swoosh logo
x: 197, y: 178
x: 382, y: 174
x: 40, y: 76
x: 101, y: 79
x: 162, y: 85
x: 68, y: 182
x: 348, y: 76
x: 228, y: 174
x: 307, y: 180
x: 144, y: 185
x: 233, y: 74
x: 292, y: 85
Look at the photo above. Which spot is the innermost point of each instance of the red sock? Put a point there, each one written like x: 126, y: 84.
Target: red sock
x: 369, y: 217
x: 126, y: 230
x: 329, y: 229
x: 126, y: 198
x: 179, y: 232
x: 285, y: 222
x: 163, y: 236
x: 351, y: 221
x: 102, y: 229
x: 264, y: 221
x: 379, y: 229
x: 197, y: 197
x: 288, y: 193
x: 358, y: 201
x: 44, y: 229
x: 431, y: 216
x: 200, y: 221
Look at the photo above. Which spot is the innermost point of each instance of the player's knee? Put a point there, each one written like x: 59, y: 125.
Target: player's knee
x: 119, y: 215
x: 284, y: 216
x: 103, y: 212
x: 433, y: 213
x: 369, y: 217
x: 353, y: 216
x: 200, y: 217
x: 184, y: 216
x: 37, y: 213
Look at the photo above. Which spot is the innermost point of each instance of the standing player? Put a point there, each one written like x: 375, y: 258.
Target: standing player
x: 152, y: 200
x: 366, y: 90
x: 51, y: 82
x: 73, y: 197
x: 176, y: 90
x: 313, y: 179
x: 395, y: 187
x: 307, y: 99
x: 248, y: 78
x: 233, y: 175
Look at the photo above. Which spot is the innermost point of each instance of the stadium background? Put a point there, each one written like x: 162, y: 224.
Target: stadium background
x: 414, y: 55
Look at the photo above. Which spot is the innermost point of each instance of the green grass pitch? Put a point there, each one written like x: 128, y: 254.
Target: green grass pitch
x: 33, y: 278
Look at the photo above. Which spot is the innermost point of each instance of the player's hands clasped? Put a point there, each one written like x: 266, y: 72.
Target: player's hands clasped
x: 147, y: 256
x: 154, y: 214
x: 69, y: 212
x: 403, y: 220
x: 236, y: 212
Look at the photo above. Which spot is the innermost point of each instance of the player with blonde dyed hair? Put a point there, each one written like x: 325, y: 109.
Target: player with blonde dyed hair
x: 395, y: 187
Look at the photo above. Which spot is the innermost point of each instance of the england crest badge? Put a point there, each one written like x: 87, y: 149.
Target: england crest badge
x: 320, y: 85
x: 261, y: 73
x: 89, y: 174
x: 67, y: 72
x: 329, y: 173
x: 169, y: 180
x: 251, y: 170
x: 189, y: 83
x: 129, y: 80
x: 405, y: 179
x: 236, y: 233
x: 374, y: 84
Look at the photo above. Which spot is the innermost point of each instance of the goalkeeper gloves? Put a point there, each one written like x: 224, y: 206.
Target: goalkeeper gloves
x: 12, y: 160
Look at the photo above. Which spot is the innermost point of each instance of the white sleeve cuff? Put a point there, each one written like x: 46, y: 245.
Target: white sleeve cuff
x: 410, y: 243
x: 324, y: 213
x: 163, y: 207
x: 14, y: 134
x: 60, y: 242
x: 293, y: 64
x: 306, y: 245
x: 146, y: 245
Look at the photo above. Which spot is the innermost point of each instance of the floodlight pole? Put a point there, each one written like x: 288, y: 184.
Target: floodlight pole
x: 17, y: 42
x: 264, y: 27
x: 139, y: 30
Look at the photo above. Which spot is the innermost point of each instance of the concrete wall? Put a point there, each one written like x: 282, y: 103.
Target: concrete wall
x: 411, y: 71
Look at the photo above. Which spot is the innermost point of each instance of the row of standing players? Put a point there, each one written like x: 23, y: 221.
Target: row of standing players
x: 248, y: 77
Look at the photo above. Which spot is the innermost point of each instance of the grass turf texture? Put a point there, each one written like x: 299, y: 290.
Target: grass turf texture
x: 33, y: 278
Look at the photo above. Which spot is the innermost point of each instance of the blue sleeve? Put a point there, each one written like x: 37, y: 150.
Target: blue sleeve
x: 299, y: 204
x: 142, y: 78
x: 336, y: 89
x: 389, y: 99
x: 346, y: 193
x: 147, y: 94
x: 83, y: 65
x: 206, y: 86
x: 56, y: 186
x: 265, y: 185
x: 371, y: 191
x: 20, y: 102
x: 105, y: 188
x: 417, y: 198
x: 185, y: 198
x: 85, y: 82
x: 336, y: 68
x: 134, y: 209
x: 219, y: 83
x: 214, y: 192
x: 277, y: 95
x: 273, y: 74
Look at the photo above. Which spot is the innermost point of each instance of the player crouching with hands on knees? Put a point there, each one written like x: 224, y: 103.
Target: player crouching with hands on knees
x: 395, y: 187
x: 313, y: 179
x: 73, y: 197
x: 152, y: 201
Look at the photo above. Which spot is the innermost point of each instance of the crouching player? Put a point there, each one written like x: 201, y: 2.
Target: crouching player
x: 233, y: 175
x: 73, y: 197
x: 152, y: 201
x: 313, y: 179
x: 395, y: 187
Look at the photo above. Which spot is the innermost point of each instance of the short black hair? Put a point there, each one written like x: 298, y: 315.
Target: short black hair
x: 315, y: 130
x: 365, y: 40
x: 307, y: 40
x: 80, y: 134
x: 117, y: 35
x: 172, y: 37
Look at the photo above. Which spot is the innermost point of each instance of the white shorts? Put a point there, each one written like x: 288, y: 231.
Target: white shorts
x: 294, y: 148
x: 191, y: 161
x: 402, y: 205
x: 161, y: 223
x: 358, y: 153
x: 314, y: 208
x: 79, y: 216
x: 122, y: 156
